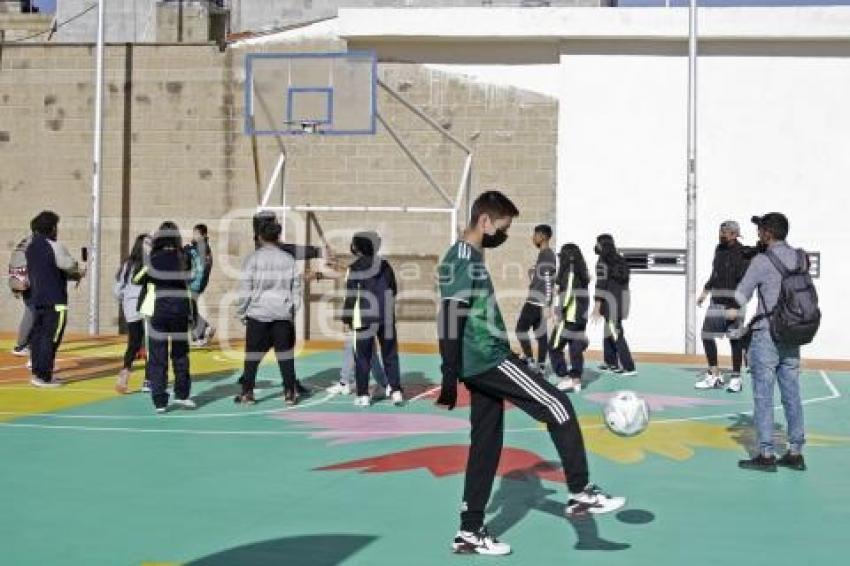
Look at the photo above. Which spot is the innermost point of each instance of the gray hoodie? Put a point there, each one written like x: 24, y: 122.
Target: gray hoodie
x: 541, y: 289
x: 270, y: 285
x: 762, y: 274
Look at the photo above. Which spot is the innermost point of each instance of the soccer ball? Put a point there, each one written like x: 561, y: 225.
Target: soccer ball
x: 626, y: 414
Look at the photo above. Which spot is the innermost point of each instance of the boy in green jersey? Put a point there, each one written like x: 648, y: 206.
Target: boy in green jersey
x: 474, y: 348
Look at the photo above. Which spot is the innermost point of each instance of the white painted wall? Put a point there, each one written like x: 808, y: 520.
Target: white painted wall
x: 774, y: 134
x: 774, y: 128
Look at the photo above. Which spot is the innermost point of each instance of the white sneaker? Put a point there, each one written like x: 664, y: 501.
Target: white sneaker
x: 209, y: 333
x: 389, y: 391
x: 161, y: 410
x: 565, y: 384
x: 592, y: 500
x: 631, y: 373
x: 146, y: 386
x: 480, y: 542
x: 52, y: 384
x: 710, y: 381
x: 736, y: 384
x: 21, y: 351
x: 340, y: 388
x: 398, y: 398
x: 362, y: 401
x: 186, y: 403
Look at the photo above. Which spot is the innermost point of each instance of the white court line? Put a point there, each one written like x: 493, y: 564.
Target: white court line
x: 835, y: 394
x: 426, y: 393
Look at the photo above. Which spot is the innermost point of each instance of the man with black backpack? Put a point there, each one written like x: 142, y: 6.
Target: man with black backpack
x: 787, y: 318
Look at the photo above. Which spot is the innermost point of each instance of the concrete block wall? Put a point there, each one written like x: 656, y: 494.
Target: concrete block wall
x: 174, y: 149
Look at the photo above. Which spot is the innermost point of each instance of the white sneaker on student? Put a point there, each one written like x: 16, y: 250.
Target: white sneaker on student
x: 480, y: 542
x: 362, y: 401
x: 52, y: 384
x: 736, y: 384
x: 592, y: 500
x: 710, y: 381
x: 340, y: 388
x: 186, y: 403
x: 398, y: 398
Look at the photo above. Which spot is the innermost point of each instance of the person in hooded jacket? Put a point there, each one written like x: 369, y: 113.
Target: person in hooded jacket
x: 166, y: 304
x: 369, y: 312
x: 612, y: 302
x: 571, y: 310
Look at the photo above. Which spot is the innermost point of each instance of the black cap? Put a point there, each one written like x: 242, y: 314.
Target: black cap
x: 775, y: 222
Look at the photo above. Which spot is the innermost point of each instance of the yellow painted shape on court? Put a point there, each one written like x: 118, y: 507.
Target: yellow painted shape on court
x: 19, y: 399
x: 676, y: 440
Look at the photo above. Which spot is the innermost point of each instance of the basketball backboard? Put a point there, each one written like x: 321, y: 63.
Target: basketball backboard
x: 306, y: 93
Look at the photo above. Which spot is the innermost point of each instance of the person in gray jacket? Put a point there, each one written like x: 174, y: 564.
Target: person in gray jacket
x: 772, y: 362
x: 532, y: 317
x: 269, y: 296
x: 128, y: 293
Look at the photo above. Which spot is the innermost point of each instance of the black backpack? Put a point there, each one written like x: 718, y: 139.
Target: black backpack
x: 795, y: 319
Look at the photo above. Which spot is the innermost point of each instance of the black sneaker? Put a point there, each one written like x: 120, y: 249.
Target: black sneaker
x: 760, y: 463
x: 302, y: 391
x: 479, y: 542
x: 245, y: 399
x: 793, y: 461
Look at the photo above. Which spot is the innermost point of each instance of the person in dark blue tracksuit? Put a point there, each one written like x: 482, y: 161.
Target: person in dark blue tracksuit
x: 369, y: 311
x: 166, y: 304
x: 49, y: 267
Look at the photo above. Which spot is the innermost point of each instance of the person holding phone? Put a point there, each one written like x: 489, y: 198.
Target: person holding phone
x: 50, y: 267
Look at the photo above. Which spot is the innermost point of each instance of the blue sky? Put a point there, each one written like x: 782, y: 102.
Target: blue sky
x: 50, y: 5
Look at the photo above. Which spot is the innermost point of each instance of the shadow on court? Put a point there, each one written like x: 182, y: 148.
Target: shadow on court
x: 742, y: 431
x: 522, y: 491
x: 316, y: 550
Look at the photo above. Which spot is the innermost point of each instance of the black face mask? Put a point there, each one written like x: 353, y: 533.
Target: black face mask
x: 761, y: 247
x: 597, y: 249
x: 494, y: 240
x: 723, y: 243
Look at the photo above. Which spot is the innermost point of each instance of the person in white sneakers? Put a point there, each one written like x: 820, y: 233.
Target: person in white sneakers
x: 731, y: 260
x: 474, y: 348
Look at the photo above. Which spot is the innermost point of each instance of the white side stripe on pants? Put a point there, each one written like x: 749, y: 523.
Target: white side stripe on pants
x: 535, y: 391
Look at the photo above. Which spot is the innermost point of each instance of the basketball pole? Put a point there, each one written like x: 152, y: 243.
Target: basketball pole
x: 97, y: 182
x: 690, y: 300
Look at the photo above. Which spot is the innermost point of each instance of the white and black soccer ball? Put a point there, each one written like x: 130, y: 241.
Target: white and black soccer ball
x: 626, y: 413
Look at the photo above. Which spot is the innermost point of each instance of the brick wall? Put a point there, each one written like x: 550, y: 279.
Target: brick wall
x: 174, y: 149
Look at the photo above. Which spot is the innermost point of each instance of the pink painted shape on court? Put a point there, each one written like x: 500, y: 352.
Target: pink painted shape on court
x: 661, y: 402
x: 347, y: 428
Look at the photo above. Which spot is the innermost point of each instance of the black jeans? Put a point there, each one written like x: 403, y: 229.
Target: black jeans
x: 572, y: 334
x: 168, y: 335
x: 364, y: 346
x: 135, y: 340
x: 259, y: 338
x: 531, y: 319
x: 615, y: 348
x: 46, y: 335
x: 513, y: 381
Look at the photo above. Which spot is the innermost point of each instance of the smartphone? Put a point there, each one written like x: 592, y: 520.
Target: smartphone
x: 84, y: 253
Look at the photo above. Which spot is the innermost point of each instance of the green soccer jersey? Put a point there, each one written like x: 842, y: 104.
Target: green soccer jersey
x: 464, y: 278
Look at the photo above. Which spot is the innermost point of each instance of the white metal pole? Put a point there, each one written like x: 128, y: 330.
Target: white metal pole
x: 97, y: 182
x: 690, y: 301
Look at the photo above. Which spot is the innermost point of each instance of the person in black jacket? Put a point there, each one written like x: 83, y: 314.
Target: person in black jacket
x: 532, y: 317
x: 166, y: 304
x: 571, y: 313
x: 49, y: 267
x: 612, y: 303
x: 731, y: 260
x: 369, y: 312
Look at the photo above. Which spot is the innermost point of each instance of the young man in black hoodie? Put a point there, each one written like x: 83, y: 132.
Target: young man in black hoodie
x: 369, y: 311
x: 49, y: 267
x: 612, y: 304
x: 731, y: 260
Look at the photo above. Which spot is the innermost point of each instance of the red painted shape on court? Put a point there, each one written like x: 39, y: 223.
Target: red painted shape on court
x: 448, y: 460
x: 463, y: 398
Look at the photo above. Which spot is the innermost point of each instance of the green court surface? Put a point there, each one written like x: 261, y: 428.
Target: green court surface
x: 101, y: 480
